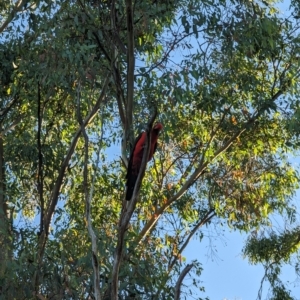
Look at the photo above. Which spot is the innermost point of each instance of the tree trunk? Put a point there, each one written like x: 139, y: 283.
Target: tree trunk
x: 5, y: 229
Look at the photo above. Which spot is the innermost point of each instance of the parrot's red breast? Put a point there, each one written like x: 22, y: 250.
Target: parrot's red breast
x: 136, y: 157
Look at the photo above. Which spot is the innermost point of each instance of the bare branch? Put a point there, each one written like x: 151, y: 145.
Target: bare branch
x: 120, y: 93
x: 170, y: 47
x: 6, y: 110
x: 180, y: 279
x: 127, y: 135
x: 88, y: 199
x: 11, y: 126
x: 118, y: 82
x: 114, y: 67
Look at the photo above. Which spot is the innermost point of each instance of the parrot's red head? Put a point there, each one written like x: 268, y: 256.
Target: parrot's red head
x: 157, y: 127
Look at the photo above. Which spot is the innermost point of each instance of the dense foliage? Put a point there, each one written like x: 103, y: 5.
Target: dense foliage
x: 80, y: 79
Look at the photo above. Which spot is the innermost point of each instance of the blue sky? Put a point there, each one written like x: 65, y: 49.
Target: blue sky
x: 227, y: 276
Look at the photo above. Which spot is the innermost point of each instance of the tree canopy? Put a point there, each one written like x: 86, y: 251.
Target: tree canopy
x: 81, y: 79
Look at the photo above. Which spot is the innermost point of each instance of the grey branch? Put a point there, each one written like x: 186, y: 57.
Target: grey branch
x: 180, y: 279
x: 88, y: 200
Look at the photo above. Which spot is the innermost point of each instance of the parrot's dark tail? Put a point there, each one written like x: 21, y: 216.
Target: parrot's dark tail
x: 130, y: 187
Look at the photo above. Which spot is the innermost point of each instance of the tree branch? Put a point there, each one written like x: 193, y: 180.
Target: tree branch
x: 180, y: 279
x: 10, y: 126
x: 130, y: 80
x: 6, y: 110
x: 88, y: 200
x: 127, y: 212
x: 208, y: 216
x: 5, y: 229
x: 199, y: 170
x: 17, y: 7
x: 118, y: 81
x: 40, y: 179
x: 131, y: 64
x: 56, y: 189
x: 154, y: 218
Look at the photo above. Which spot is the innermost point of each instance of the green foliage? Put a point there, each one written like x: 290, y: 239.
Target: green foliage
x: 273, y: 248
x: 224, y: 77
x: 273, y: 251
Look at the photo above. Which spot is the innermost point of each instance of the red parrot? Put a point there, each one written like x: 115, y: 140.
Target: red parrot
x: 136, y: 157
